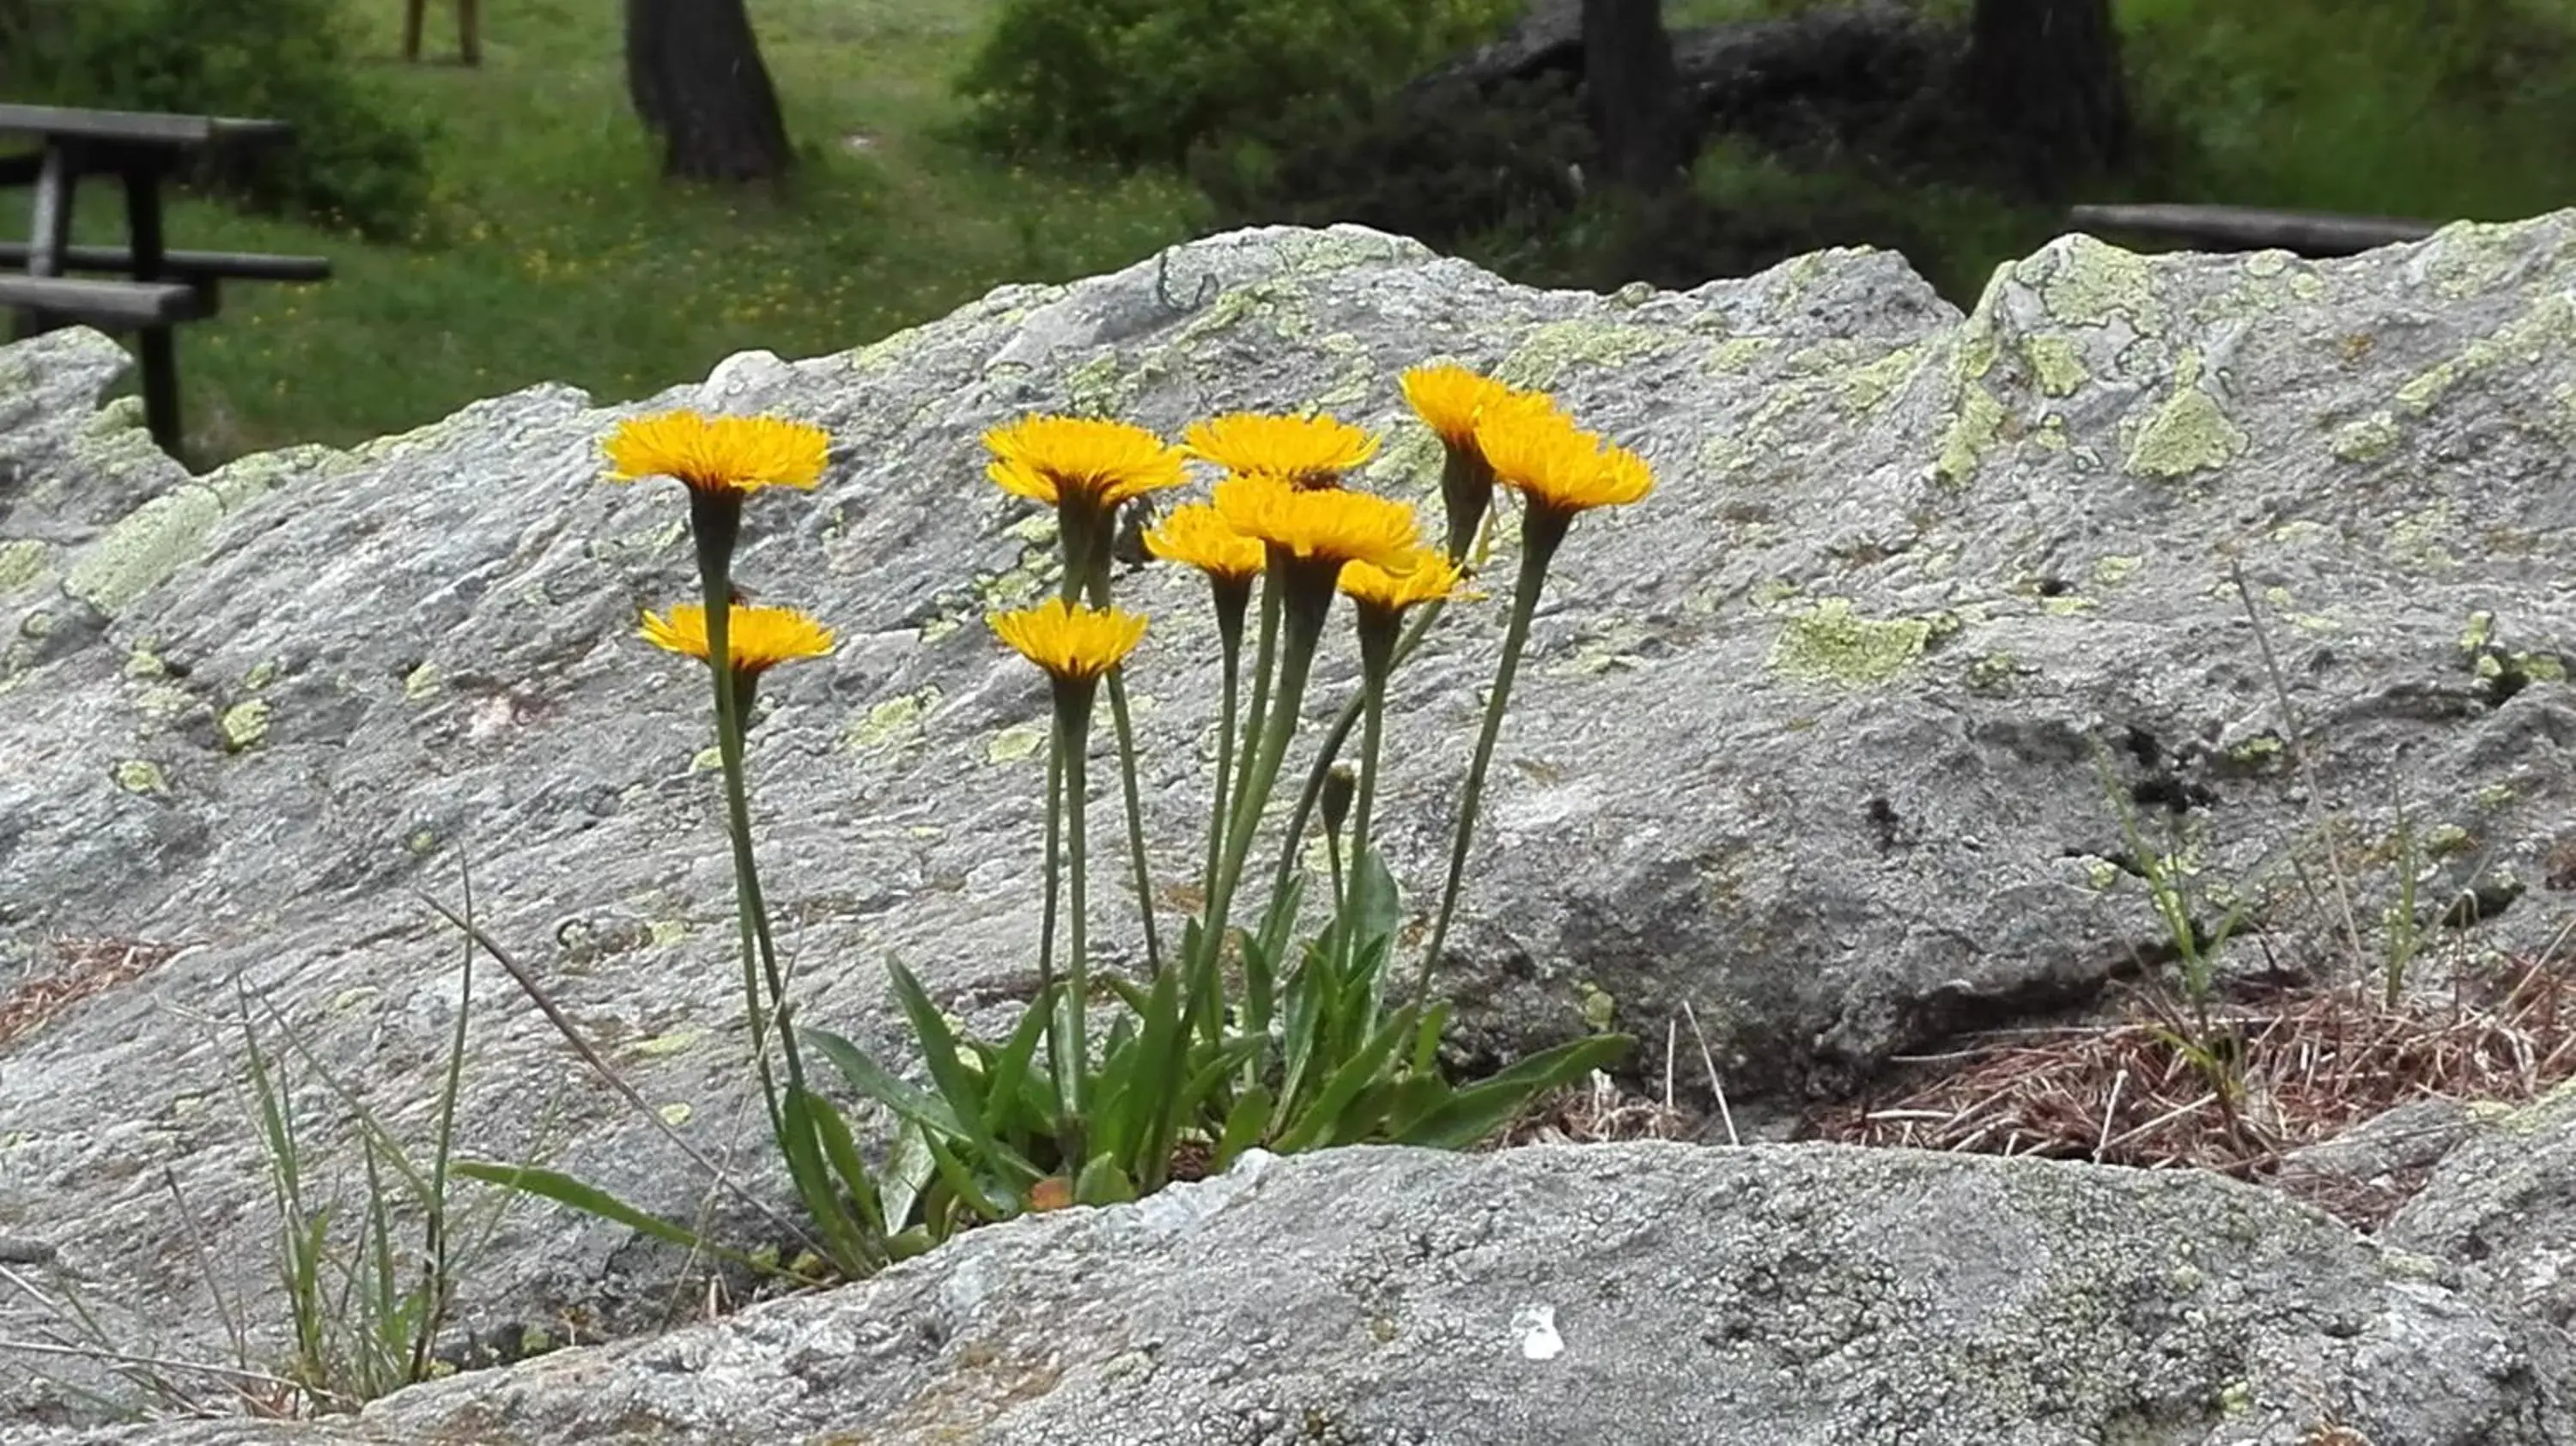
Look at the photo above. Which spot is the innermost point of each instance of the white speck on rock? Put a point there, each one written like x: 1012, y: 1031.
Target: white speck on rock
x: 1535, y: 1325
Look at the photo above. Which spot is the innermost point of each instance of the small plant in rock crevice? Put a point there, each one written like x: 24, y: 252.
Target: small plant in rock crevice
x: 1233, y: 1036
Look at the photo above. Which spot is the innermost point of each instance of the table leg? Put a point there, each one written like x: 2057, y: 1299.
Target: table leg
x: 157, y: 344
x: 52, y: 230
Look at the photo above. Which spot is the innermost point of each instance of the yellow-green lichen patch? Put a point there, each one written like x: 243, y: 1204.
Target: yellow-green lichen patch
x: 1970, y: 434
x: 422, y: 841
x: 1354, y: 372
x: 421, y: 682
x: 143, y: 663
x: 24, y: 561
x: 661, y: 1046
x: 1831, y: 644
x: 1093, y: 388
x: 246, y: 479
x: 2264, y: 265
x: 1413, y: 456
x: 161, y: 702
x: 143, y: 549
x: 1992, y: 674
x: 2055, y: 363
x: 2084, y: 282
x: 141, y: 775
x: 892, y: 725
x: 2114, y: 570
x: 1015, y: 744
x: 2526, y: 341
x: 1736, y: 353
x: 706, y: 760
x: 1863, y: 388
x: 2494, y: 795
x: 1277, y: 306
x: 244, y: 724
x: 1550, y: 351
x: 2189, y: 433
x: 2469, y: 257
x: 2417, y: 538
x: 2366, y: 440
x: 263, y: 673
x: 676, y: 1113
x: 1600, y: 1010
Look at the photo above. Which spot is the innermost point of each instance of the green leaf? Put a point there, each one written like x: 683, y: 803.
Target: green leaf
x: 812, y: 1176
x: 956, y: 1083
x: 1479, y: 1109
x: 563, y: 1189
x: 960, y: 1181
x: 843, y: 1154
x: 1012, y: 1092
x: 908, y: 1168
x: 1102, y: 1182
x: 1243, y: 1126
x: 1319, y: 1122
x: 878, y: 1083
x: 1426, y: 1039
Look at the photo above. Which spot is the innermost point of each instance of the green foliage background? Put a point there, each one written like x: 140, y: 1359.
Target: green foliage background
x: 518, y: 231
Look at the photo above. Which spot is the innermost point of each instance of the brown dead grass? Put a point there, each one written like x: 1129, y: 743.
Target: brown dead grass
x: 2285, y: 1071
x: 84, y: 968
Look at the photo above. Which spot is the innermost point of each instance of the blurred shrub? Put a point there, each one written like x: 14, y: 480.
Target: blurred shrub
x: 354, y: 162
x: 1142, y: 81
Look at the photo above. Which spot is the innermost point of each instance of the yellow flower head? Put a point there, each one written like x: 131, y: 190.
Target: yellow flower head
x: 1431, y: 577
x: 1197, y: 536
x: 1076, y: 642
x: 1104, y: 463
x: 757, y: 638
x: 1558, y: 466
x: 718, y: 454
x: 1327, y: 525
x: 1308, y: 451
x: 1448, y: 399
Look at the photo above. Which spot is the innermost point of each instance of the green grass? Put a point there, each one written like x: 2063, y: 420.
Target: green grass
x: 555, y: 252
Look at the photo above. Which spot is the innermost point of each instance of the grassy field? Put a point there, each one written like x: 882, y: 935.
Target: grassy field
x: 556, y: 253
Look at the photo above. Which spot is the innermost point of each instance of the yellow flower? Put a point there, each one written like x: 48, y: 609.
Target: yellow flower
x: 718, y: 454
x: 1309, y: 451
x: 1076, y: 643
x: 1327, y: 525
x: 1197, y: 536
x: 1431, y: 577
x: 1104, y: 463
x: 1448, y: 399
x: 1558, y: 466
x: 757, y: 638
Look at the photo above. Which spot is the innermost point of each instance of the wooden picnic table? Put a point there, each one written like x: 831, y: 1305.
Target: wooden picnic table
x: 156, y: 288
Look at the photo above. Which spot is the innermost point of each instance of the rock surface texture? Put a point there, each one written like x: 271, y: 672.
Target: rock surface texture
x: 1765, y: 1296
x: 1824, y: 741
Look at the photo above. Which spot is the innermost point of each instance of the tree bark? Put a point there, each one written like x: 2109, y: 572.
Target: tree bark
x: 694, y: 73
x: 2047, y: 75
x: 1646, y: 133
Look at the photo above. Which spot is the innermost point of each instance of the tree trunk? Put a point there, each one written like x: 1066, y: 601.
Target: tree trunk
x: 694, y: 72
x: 2047, y: 74
x: 1646, y: 132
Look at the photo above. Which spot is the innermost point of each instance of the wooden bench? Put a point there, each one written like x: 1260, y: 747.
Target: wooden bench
x: 2313, y: 234
x: 108, y: 305
x: 153, y: 288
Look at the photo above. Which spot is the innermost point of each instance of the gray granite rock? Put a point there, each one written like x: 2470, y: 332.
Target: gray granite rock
x: 1813, y: 741
x: 1767, y: 1296
x: 2500, y: 1208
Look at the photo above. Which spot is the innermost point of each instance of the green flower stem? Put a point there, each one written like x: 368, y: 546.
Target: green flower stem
x: 1230, y: 609
x: 1542, y: 529
x: 1294, y: 606
x: 1330, y: 751
x: 1377, y: 664
x: 716, y: 522
x: 1097, y: 585
x: 1047, y: 916
x: 1073, y: 731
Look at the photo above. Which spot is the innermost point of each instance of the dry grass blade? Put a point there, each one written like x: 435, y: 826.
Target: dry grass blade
x: 2309, y: 1066
x: 90, y: 967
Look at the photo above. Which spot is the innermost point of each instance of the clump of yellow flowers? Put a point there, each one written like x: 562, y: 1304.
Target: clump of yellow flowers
x: 1241, y: 1036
